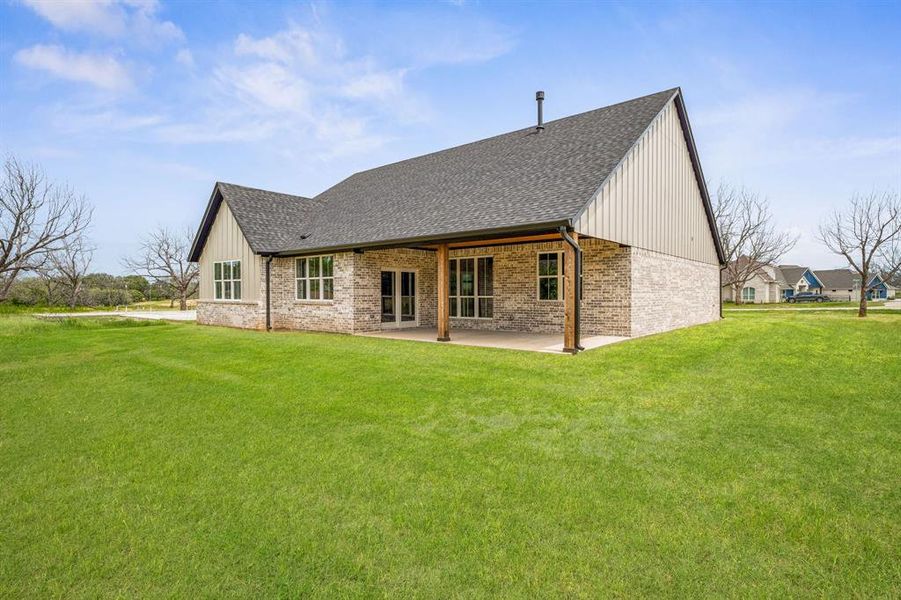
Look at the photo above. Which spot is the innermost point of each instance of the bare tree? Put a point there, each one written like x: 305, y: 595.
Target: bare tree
x: 868, y: 235
x: 50, y: 280
x: 164, y: 258
x: 70, y: 264
x: 747, y: 234
x: 36, y: 216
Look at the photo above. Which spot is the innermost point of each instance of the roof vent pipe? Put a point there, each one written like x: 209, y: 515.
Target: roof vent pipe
x: 539, y: 98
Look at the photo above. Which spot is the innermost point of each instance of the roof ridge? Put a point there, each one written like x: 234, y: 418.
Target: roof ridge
x: 256, y: 189
x: 500, y: 135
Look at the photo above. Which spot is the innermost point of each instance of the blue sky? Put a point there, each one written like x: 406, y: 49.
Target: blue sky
x: 142, y: 104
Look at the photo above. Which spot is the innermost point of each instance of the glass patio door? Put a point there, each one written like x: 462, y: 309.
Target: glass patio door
x: 398, y: 298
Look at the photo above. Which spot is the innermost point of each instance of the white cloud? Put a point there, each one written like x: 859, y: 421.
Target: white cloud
x: 289, y: 46
x: 105, y: 18
x: 456, y: 37
x: 99, y: 70
x: 300, y: 84
x: 265, y: 86
x: 379, y: 85
x: 300, y: 89
x: 185, y: 58
x: 131, y: 19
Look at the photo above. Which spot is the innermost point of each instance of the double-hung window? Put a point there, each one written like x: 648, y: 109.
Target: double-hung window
x: 315, y: 277
x: 227, y: 280
x: 550, y: 276
x: 472, y: 287
x: 748, y: 294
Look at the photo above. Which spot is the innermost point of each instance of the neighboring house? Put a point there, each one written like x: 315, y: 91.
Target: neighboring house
x: 879, y: 289
x: 482, y: 236
x: 799, y: 279
x: 770, y: 283
x: 765, y: 285
x: 844, y: 284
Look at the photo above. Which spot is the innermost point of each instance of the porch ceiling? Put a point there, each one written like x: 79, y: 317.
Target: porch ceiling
x: 511, y: 340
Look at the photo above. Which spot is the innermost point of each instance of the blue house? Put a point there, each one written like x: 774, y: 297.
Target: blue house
x: 878, y: 289
x: 797, y: 279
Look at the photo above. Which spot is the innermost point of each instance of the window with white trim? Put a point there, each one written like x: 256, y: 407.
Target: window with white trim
x: 472, y: 287
x: 748, y: 294
x: 550, y: 275
x: 314, y: 277
x: 227, y: 280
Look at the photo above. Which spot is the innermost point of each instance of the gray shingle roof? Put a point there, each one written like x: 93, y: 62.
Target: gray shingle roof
x: 792, y: 273
x: 512, y: 181
x: 266, y: 218
x: 838, y: 279
x: 515, y: 179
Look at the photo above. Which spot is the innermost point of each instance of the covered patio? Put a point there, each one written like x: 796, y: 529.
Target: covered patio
x: 511, y: 340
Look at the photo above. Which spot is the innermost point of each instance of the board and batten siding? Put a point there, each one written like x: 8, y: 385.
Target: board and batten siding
x: 652, y: 199
x: 226, y: 242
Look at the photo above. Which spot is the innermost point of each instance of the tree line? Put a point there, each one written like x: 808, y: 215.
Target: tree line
x: 46, y: 253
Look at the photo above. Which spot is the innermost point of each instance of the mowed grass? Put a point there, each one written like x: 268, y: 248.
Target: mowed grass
x: 758, y: 456
x: 854, y: 304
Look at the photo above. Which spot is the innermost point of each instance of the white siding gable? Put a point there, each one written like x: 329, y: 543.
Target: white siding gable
x: 652, y: 199
x: 226, y: 242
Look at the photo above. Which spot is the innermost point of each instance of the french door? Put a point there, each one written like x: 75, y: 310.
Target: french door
x: 399, y: 299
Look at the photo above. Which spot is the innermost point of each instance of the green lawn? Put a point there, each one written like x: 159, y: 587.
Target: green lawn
x: 800, y: 305
x: 759, y: 456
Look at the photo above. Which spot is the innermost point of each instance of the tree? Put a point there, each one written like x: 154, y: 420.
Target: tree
x: 36, y: 216
x: 71, y: 263
x: 50, y: 282
x: 747, y: 234
x: 163, y: 258
x: 868, y: 235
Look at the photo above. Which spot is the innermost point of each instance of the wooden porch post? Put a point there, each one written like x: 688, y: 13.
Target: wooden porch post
x: 569, y: 295
x: 443, y: 294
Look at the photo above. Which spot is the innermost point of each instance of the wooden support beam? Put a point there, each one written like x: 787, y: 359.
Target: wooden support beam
x: 443, y: 293
x: 570, y: 280
x: 496, y: 241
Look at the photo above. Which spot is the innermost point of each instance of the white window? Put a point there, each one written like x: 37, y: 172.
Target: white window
x: 227, y: 279
x: 550, y: 275
x: 314, y: 277
x: 472, y: 287
x: 747, y: 294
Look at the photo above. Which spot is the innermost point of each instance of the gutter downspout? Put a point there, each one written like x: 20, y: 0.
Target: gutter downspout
x: 720, y: 291
x: 578, y: 286
x: 268, y: 296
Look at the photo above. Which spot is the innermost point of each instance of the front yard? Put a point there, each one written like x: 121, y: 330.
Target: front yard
x: 801, y: 305
x: 759, y: 456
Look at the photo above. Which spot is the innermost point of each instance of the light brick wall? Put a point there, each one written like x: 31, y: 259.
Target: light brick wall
x: 242, y: 314
x: 367, y: 294
x: 670, y: 292
x: 627, y: 291
x: 313, y: 315
x: 246, y: 315
x: 605, y: 307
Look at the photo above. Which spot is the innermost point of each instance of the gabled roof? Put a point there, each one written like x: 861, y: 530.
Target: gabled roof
x: 877, y: 280
x: 838, y: 278
x: 794, y: 273
x: 517, y: 181
x: 756, y: 268
x: 265, y: 218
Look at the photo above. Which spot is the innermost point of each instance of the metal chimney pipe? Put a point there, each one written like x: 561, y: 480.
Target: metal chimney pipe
x: 539, y: 98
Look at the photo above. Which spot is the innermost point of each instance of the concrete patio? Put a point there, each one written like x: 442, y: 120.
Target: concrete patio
x: 511, y: 340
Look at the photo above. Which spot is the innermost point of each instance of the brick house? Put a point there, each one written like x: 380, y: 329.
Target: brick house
x: 487, y: 236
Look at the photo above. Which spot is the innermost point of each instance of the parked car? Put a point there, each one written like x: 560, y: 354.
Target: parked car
x: 808, y: 297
